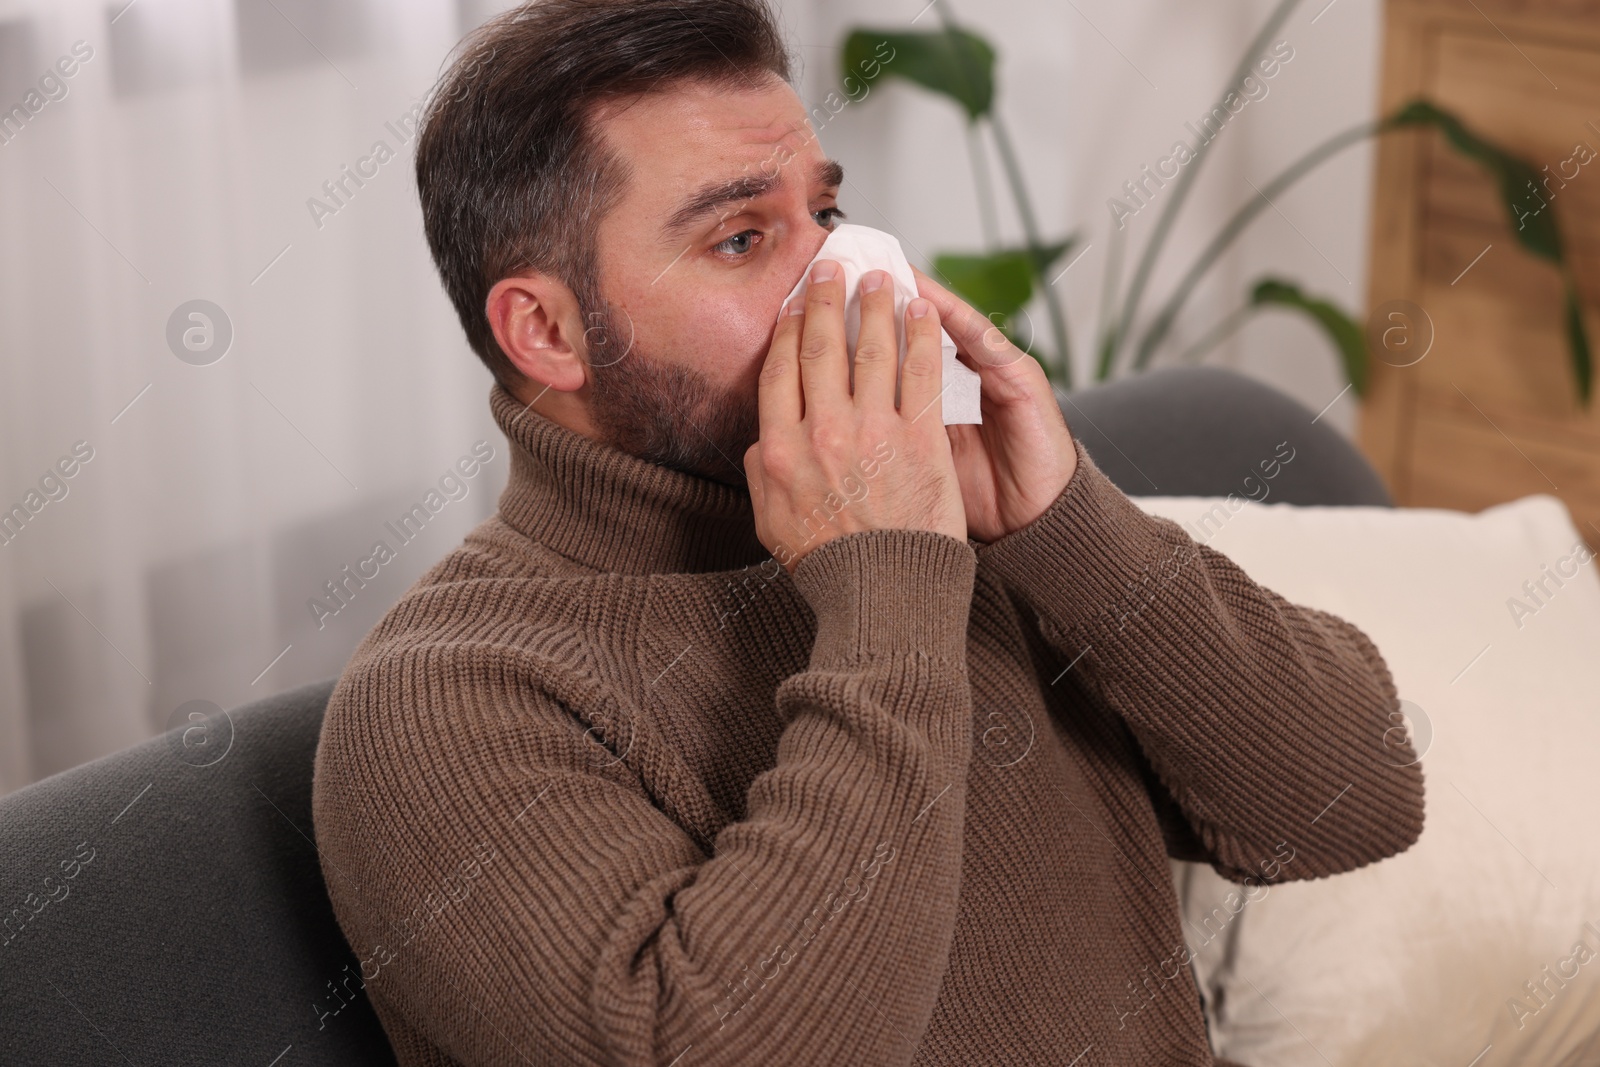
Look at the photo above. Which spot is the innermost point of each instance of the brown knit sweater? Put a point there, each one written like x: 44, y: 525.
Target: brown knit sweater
x: 608, y: 785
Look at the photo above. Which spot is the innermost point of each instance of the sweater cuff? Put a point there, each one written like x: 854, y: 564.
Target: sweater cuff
x: 887, y: 593
x: 1093, y: 559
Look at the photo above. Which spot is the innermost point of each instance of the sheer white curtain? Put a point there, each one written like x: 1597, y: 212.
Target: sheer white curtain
x: 218, y: 485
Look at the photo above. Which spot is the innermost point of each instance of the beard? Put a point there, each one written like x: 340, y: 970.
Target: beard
x: 666, y: 413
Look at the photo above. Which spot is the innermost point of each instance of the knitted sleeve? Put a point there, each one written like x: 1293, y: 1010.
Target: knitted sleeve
x: 526, y: 903
x: 1268, y: 728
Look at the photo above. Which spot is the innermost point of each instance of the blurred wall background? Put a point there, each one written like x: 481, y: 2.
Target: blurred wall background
x: 241, y: 459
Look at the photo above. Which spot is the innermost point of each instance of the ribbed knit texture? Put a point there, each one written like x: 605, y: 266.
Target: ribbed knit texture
x: 609, y: 786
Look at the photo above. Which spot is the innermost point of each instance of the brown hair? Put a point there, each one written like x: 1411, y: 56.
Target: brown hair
x: 512, y: 174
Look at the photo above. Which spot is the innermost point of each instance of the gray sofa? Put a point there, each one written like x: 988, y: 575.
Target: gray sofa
x: 166, y: 903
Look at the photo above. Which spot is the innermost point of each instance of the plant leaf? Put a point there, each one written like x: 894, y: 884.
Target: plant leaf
x: 1341, y: 328
x: 1046, y: 256
x: 999, y: 283
x: 953, y: 62
x: 1578, y: 344
x: 1532, y: 224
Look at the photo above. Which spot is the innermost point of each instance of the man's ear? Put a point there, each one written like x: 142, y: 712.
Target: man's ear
x: 536, y: 323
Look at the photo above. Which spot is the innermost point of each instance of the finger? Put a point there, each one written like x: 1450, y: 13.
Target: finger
x: 754, y: 480
x: 778, y: 388
x: 824, y: 364
x: 878, y: 347
x: 1007, y: 377
x: 968, y: 327
x: 922, y: 373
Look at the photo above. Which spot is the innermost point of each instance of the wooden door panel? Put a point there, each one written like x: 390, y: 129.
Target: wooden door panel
x: 1527, y: 76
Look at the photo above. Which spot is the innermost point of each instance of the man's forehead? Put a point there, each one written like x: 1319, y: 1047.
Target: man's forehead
x: 696, y: 131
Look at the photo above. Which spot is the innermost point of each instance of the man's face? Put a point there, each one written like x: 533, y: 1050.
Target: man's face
x: 731, y: 197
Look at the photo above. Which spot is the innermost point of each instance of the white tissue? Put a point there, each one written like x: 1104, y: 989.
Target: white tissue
x: 858, y: 249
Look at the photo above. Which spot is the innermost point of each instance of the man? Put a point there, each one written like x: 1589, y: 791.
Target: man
x: 770, y: 721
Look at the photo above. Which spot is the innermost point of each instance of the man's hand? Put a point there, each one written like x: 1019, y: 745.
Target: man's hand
x: 829, y: 463
x: 1017, y: 462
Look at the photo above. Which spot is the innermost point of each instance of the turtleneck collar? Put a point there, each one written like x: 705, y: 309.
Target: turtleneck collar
x: 607, y: 509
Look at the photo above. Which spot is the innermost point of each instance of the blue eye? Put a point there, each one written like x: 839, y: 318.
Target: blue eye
x: 738, y: 245
x: 743, y: 243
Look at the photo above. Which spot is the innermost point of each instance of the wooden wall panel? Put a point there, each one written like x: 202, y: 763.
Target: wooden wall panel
x: 1491, y: 413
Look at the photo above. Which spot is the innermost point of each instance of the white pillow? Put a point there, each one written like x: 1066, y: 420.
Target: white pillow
x: 1423, y: 958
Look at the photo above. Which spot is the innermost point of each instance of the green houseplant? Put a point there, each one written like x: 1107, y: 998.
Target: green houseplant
x: 956, y: 63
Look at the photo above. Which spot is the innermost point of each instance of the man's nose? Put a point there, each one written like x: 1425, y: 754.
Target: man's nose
x: 799, y: 254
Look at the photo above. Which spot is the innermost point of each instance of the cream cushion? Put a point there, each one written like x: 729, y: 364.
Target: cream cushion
x: 1480, y: 944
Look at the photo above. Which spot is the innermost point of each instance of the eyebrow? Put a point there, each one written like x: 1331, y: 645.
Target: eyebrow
x: 737, y: 190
